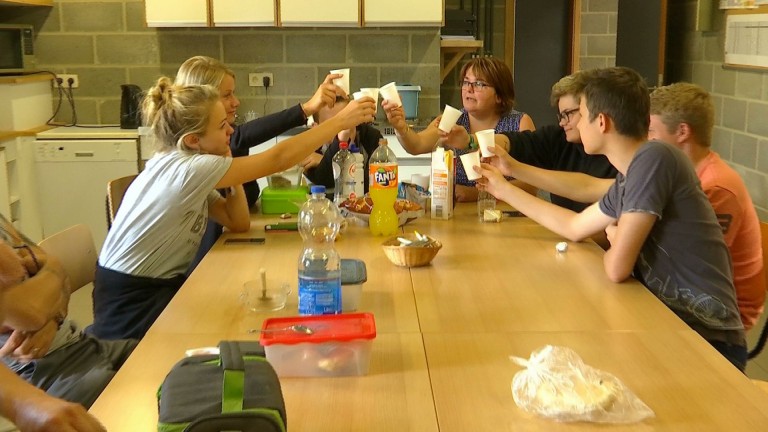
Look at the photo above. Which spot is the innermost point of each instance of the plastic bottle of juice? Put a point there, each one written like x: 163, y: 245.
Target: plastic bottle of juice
x: 383, y: 190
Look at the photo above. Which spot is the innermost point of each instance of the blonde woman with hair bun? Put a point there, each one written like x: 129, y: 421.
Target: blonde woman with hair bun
x: 202, y: 70
x: 160, y: 223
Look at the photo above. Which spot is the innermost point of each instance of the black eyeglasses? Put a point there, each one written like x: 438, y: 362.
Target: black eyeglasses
x: 477, y: 85
x: 566, y: 115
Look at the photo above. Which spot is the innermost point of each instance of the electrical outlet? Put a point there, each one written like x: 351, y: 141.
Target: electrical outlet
x: 65, y: 80
x: 257, y: 79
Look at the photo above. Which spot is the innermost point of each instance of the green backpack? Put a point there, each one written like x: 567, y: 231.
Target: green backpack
x: 237, y: 390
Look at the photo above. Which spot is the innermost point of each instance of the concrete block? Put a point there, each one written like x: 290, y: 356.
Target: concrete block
x: 379, y: 48
x: 734, y: 114
x: 83, y: 17
x: 253, y: 49
x: 744, y: 150
x: 317, y: 48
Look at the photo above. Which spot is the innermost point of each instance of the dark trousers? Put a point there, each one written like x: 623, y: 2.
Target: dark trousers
x: 125, y: 306
x: 736, y: 354
x: 78, y: 372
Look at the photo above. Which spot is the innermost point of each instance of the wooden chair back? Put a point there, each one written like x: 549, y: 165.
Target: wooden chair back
x: 754, y: 352
x: 115, y: 191
x: 75, y: 250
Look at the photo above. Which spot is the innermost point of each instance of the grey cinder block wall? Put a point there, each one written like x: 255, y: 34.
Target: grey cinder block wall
x: 107, y: 44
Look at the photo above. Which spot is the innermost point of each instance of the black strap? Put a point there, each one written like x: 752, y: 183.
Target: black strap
x: 231, y: 357
x: 760, y: 343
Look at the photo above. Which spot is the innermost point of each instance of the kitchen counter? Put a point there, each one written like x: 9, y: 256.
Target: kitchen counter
x: 6, y: 135
x: 28, y: 78
x: 84, y: 132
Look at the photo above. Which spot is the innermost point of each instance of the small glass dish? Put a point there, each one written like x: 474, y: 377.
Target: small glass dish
x: 257, y: 299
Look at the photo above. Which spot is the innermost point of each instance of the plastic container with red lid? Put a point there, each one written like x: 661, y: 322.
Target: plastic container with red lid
x: 340, y: 345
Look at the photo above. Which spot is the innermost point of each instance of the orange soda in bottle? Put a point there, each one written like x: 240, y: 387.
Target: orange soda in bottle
x: 383, y: 190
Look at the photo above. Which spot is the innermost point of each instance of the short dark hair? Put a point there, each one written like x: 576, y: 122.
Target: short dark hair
x: 621, y: 94
x: 497, y: 74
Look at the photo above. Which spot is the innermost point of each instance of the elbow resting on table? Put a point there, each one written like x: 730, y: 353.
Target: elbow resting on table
x: 240, y: 227
x: 616, y: 274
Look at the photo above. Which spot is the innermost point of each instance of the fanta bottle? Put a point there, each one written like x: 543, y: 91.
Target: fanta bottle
x: 383, y: 190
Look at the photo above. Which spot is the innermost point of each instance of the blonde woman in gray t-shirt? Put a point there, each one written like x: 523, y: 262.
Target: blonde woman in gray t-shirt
x: 161, y: 220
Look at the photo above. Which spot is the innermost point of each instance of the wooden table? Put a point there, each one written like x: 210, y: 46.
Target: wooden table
x: 440, y: 360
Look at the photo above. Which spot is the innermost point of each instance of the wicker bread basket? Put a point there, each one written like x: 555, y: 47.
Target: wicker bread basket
x: 410, y: 256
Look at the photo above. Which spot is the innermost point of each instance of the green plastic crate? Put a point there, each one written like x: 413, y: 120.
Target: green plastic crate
x: 279, y: 201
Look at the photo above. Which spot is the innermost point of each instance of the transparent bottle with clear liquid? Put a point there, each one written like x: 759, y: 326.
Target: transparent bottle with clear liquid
x: 319, y: 262
x: 360, y: 171
x: 343, y: 170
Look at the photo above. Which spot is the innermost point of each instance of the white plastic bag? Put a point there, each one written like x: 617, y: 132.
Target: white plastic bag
x: 557, y: 384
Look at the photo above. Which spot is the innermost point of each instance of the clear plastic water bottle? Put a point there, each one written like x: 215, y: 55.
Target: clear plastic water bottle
x: 360, y: 174
x: 319, y: 263
x: 344, y: 165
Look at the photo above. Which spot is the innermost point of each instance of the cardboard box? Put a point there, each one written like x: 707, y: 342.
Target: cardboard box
x: 443, y: 176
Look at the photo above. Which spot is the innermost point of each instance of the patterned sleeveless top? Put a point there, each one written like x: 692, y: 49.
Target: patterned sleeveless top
x: 509, y: 122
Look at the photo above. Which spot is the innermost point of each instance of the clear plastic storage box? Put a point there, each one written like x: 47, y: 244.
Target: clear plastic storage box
x: 340, y: 345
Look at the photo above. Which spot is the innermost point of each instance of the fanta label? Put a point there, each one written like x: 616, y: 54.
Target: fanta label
x: 383, y: 176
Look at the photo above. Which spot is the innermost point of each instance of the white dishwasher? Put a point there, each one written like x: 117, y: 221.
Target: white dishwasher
x: 72, y: 176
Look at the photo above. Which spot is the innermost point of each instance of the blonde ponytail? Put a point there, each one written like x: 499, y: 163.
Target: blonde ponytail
x: 174, y: 111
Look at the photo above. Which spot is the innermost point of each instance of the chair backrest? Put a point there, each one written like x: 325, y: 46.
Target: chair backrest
x: 763, y: 338
x: 115, y: 191
x: 764, y: 242
x: 75, y: 250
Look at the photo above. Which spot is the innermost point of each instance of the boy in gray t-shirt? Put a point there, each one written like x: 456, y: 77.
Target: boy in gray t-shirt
x: 657, y: 219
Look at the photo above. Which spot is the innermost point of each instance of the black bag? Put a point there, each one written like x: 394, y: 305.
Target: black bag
x: 237, y: 390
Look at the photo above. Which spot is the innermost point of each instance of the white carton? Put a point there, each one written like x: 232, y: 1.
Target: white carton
x: 443, y: 172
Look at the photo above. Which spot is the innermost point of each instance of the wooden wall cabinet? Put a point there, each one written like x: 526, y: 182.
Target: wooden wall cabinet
x: 26, y: 105
x: 176, y: 13
x: 243, y: 13
x: 327, y: 13
x: 210, y: 13
x: 294, y: 13
x: 405, y: 13
x: 18, y: 197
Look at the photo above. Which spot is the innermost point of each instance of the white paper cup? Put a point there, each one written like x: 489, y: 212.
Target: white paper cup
x: 373, y: 92
x: 470, y: 160
x: 421, y: 180
x: 342, y: 82
x: 449, y: 118
x: 358, y: 95
x: 485, y: 139
x: 389, y: 92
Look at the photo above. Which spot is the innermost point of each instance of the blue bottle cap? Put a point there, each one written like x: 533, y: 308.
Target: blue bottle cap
x: 317, y: 189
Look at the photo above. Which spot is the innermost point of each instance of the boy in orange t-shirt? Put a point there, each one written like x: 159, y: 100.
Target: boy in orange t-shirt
x: 682, y: 114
